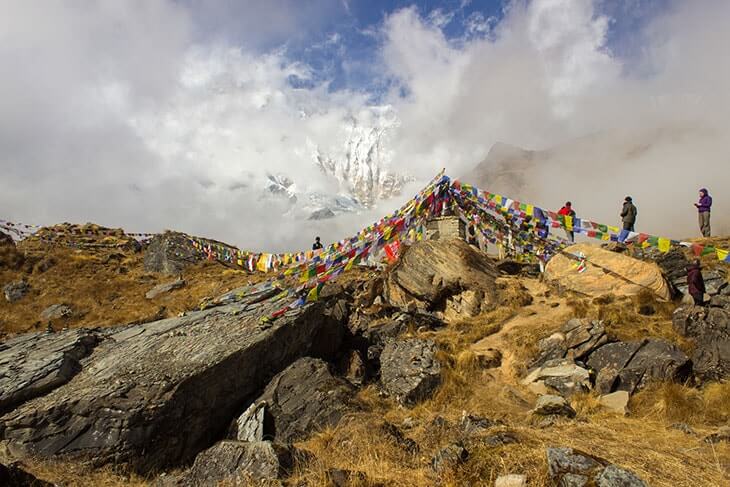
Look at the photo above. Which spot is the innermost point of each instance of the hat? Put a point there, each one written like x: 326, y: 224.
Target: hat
x: 628, y: 198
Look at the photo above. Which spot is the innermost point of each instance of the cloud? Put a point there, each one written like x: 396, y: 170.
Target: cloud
x: 150, y: 115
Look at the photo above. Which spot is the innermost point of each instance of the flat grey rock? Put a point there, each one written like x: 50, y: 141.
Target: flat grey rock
x: 409, y: 370
x: 154, y: 395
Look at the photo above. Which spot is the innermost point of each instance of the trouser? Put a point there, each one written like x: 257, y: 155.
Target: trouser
x: 699, y: 299
x: 628, y: 226
x: 571, y: 235
x: 704, y: 218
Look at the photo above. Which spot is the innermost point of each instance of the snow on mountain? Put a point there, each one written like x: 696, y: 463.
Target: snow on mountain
x: 361, y: 164
x: 358, y: 163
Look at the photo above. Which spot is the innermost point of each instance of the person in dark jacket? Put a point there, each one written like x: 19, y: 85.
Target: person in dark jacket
x: 628, y: 214
x: 703, y: 209
x: 567, y: 210
x: 696, y: 283
x: 317, y: 244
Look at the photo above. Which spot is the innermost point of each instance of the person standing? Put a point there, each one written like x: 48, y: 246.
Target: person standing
x: 703, y: 209
x: 628, y: 214
x: 696, y: 283
x: 567, y: 211
x: 317, y: 244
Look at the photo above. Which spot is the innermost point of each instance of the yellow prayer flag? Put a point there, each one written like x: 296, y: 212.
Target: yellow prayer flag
x: 530, y: 210
x: 568, y: 222
x: 722, y: 254
x: 261, y: 264
x: 664, y: 244
x: 613, y: 229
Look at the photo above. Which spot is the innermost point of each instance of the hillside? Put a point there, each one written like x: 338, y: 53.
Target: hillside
x: 402, y: 356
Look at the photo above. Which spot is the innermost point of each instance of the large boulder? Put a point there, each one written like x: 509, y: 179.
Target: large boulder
x: 303, y: 399
x: 606, y: 272
x: 449, y: 276
x: 635, y: 364
x: 154, y: 395
x: 709, y: 328
x: 170, y: 253
x: 409, y: 369
x: 33, y: 365
x: 238, y: 463
x: 569, y: 467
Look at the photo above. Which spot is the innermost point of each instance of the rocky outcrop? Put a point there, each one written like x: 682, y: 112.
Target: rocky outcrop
x: 156, y: 394
x: 164, y: 288
x: 709, y: 328
x: 635, y: 364
x: 15, y: 291
x: 33, y: 365
x: 448, y: 276
x: 569, y: 467
x: 409, y: 369
x: 237, y: 463
x: 304, y: 398
x: 575, y: 340
x: 170, y: 253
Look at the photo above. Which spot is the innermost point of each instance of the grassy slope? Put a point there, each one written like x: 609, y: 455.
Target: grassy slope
x: 642, y: 441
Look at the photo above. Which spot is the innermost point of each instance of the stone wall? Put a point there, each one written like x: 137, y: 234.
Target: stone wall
x: 445, y: 228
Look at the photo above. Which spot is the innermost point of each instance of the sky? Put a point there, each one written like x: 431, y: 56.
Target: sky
x: 168, y: 114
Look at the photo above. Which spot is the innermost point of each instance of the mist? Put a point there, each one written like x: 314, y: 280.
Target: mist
x: 153, y: 116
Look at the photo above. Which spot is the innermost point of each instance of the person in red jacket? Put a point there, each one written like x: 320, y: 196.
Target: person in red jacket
x: 567, y: 210
x: 696, y: 283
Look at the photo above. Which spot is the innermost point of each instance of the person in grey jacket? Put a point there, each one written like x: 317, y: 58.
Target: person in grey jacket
x: 628, y: 214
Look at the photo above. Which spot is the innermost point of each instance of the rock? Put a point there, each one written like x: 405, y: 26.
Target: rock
x: 710, y: 330
x: 500, y: 439
x: 722, y: 434
x: 345, y: 478
x: 720, y: 301
x: 409, y: 369
x: 449, y: 457
x: 576, y: 340
x: 34, y: 365
x: 250, y: 426
x: 170, y: 253
x: 56, y: 312
x: 511, y: 480
x: 154, y: 395
x: 639, y: 363
x: 606, y: 380
x: 549, y: 405
x: 304, y: 398
x: 164, y: 288
x: 354, y: 368
x: 471, y: 424
x: 488, y: 358
x: 14, y: 476
x: 561, y: 375
x: 683, y: 427
x: 15, y: 291
x: 616, y: 402
x: 674, y: 266
x: 238, y: 463
x: 572, y: 468
x: 398, y: 438
x: 437, y: 275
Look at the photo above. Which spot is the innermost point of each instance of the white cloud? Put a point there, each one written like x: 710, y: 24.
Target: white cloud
x: 133, y: 114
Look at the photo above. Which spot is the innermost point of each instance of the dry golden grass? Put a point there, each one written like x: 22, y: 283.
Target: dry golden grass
x: 106, y: 292
x: 72, y: 474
